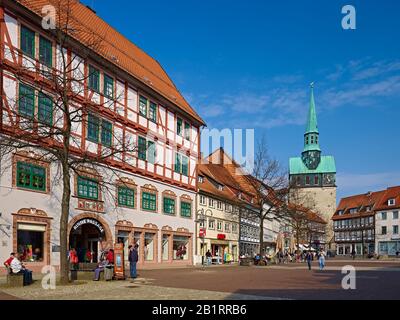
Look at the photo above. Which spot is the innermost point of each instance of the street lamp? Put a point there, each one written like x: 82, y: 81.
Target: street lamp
x: 201, y: 218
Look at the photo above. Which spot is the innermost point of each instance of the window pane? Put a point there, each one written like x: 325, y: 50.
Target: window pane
x: 108, y: 87
x: 94, y: 79
x: 187, y: 131
x: 185, y: 165
x: 149, y: 201
x: 177, y: 163
x: 151, y: 151
x: 106, y: 133
x: 93, y: 128
x: 142, y: 148
x: 27, y: 41
x: 26, y: 101
x: 126, y: 197
x: 179, y: 126
x: 45, y: 109
x: 169, y: 205
x: 153, y: 112
x: 87, y: 188
x: 186, y: 209
x: 143, y: 106
x: 31, y: 176
x: 45, y: 51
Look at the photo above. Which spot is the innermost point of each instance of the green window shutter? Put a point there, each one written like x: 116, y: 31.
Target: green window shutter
x: 186, y: 209
x: 151, y: 152
x: 169, y: 205
x: 28, y: 41
x: 93, y: 128
x: 88, y: 188
x: 26, y: 105
x: 185, y: 166
x: 142, y: 148
x: 31, y: 177
x: 126, y: 197
x: 153, y: 112
x: 177, y: 163
x: 143, y: 106
x: 45, y: 109
x: 187, y: 131
x: 106, y: 133
x: 94, y: 79
x: 45, y: 51
x: 149, y: 201
x: 108, y: 87
x: 179, y: 126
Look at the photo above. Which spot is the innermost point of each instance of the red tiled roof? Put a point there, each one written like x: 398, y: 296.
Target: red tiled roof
x: 377, y: 200
x: 117, y: 49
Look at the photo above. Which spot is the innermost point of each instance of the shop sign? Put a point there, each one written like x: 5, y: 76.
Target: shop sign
x: 221, y: 236
x: 89, y: 221
x: 202, y: 232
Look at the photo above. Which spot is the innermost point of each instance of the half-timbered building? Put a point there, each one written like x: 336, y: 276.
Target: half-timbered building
x: 144, y: 195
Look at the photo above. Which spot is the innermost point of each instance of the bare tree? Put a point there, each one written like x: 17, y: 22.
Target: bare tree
x: 268, y: 184
x: 53, y: 133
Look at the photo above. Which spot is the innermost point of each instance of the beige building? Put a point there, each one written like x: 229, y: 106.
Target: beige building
x: 219, y: 231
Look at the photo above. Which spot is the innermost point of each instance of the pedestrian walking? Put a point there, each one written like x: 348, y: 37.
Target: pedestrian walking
x: 133, y: 259
x: 353, y: 254
x: 309, y: 259
x: 209, y: 257
x: 322, y: 259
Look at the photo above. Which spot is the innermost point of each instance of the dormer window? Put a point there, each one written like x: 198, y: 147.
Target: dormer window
x: 391, y: 202
x: 220, y: 187
x: 201, y: 179
x: 353, y: 210
x: 340, y: 212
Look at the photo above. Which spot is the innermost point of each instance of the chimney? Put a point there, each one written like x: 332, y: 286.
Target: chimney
x: 221, y: 156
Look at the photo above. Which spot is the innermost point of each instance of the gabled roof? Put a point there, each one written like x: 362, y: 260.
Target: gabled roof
x: 367, y: 203
x: 311, y: 215
x: 118, y: 50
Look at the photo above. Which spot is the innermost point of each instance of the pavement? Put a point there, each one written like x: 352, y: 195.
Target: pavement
x: 374, y: 280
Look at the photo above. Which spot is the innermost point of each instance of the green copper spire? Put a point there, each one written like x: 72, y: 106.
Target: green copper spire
x: 311, y: 136
x: 312, y: 125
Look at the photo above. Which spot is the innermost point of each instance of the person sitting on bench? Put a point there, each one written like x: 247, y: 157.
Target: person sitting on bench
x: 7, y: 263
x: 18, y: 267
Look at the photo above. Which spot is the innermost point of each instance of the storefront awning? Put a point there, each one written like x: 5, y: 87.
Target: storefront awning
x: 221, y: 242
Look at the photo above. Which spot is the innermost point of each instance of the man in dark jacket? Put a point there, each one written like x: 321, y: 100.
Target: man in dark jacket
x: 133, y: 259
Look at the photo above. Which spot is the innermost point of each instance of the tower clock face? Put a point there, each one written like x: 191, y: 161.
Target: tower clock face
x: 311, y: 159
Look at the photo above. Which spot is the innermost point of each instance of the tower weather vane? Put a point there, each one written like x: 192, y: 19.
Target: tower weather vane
x: 312, y: 85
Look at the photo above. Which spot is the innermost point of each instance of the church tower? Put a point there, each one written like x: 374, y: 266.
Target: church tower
x: 314, y: 174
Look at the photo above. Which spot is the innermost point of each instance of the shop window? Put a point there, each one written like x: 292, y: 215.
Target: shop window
x: 126, y: 197
x: 94, y: 79
x: 30, y: 242
x: 180, y: 248
x: 108, y: 87
x: 26, y: 103
x: 186, y: 209
x: 136, y: 240
x: 149, y: 246
x: 169, y: 205
x: 149, y: 201
x: 31, y: 176
x: 165, y: 247
x: 88, y: 188
x: 28, y: 41
x: 45, y: 51
x: 45, y: 109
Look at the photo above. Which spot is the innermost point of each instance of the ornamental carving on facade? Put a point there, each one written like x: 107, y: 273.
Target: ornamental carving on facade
x: 32, y: 212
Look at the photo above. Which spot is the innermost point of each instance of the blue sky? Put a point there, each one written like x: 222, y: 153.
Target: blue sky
x: 248, y: 64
